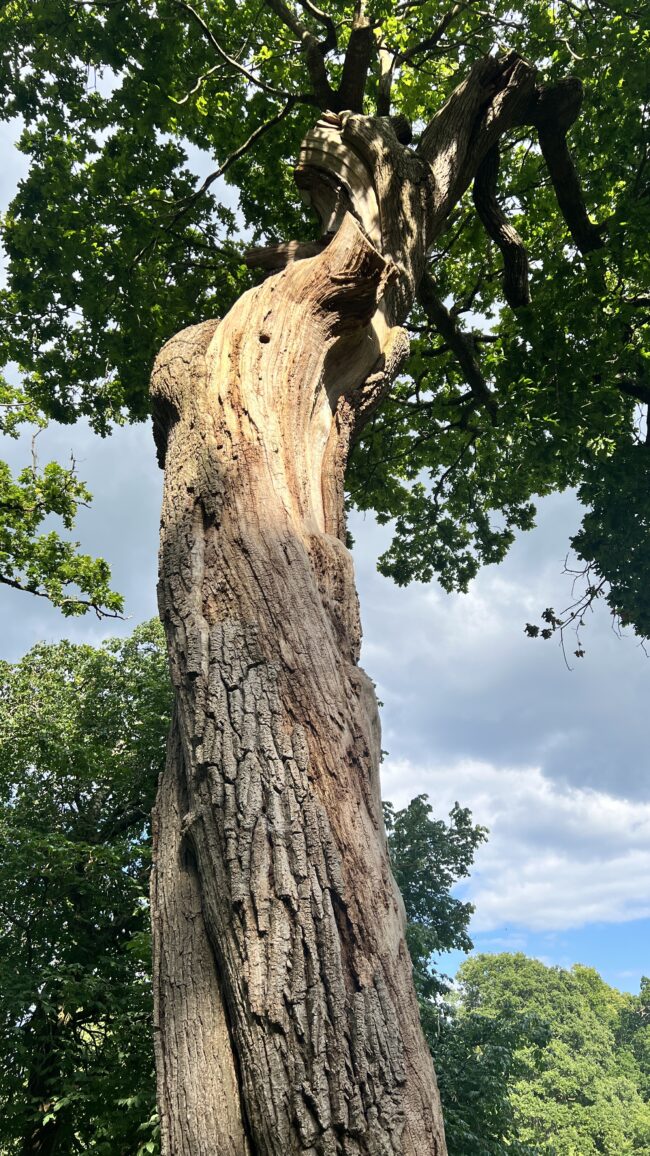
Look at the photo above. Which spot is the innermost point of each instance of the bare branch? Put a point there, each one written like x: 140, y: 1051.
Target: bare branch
x: 460, y: 343
x: 387, y: 62
x: 573, y: 616
x: 276, y: 257
x: 497, y: 226
x: 360, y: 51
x: 553, y: 113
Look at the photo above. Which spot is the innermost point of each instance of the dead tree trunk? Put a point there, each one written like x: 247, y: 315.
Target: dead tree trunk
x: 286, y: 1021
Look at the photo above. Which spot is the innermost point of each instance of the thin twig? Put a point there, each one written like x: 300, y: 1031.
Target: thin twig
x: 191, y: 200
x: 212, y: 40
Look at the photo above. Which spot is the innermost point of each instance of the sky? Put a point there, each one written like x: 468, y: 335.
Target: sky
x: 553, y: 761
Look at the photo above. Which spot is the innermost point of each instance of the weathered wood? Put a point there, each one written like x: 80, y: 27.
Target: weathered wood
x: 286, y: 1020
x: 277, y: 746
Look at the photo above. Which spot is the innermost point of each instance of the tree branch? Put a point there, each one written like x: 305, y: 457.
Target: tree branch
x: 360, y: 50
x: 27, y: 589
x: 272, y: 258
x: 431, y: 41
x: 212, y: 40
x: 460, y: 343
x: 497, y: 226
x: 312, y: 51
x: 496, y: 95
x: 554, y: 111
x: 387, y: 62
x: 634, y: 389
x: 330, y: 43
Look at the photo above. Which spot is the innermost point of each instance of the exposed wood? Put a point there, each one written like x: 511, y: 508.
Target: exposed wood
x: 269, y: 830
x: 276, y: 257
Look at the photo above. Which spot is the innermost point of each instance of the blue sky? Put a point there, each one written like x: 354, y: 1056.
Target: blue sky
x: 554, y: 762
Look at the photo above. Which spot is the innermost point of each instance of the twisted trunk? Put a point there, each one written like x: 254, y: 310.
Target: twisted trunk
x: 286, y: 1019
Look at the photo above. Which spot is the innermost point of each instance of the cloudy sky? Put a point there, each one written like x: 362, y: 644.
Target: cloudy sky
x: 553, y: 761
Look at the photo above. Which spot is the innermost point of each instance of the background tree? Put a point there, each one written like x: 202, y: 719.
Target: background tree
x: 477, y: 1056
x: 82, y: 742
x: 588, y: 1093
x: 298, y: 995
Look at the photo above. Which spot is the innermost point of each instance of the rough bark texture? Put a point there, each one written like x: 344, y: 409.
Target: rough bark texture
x: 285, y: 1014
x: 269, y: 834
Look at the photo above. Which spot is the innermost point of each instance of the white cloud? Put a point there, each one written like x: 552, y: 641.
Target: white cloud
x: 460, y: 680
x: 558, y: 857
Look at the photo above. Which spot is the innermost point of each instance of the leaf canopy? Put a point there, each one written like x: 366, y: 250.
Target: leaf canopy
x: 114, y: 243
x: 82, y: 742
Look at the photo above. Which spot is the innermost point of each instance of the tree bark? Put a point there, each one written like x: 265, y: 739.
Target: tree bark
x: 286, y: 1019
x: 285, y: 1013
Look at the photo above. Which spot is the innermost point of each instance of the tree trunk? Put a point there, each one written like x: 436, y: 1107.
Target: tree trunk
x: 285, y: 1013
x: 286, y: 1017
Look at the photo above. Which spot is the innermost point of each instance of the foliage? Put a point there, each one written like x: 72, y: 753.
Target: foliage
x: 475, y: 1057
x: 478, y: 1060
x: 589, y: 1093
x: 428, y: 856
x: 113, y: 244
x: 82, y: 741
x: 45, y: 563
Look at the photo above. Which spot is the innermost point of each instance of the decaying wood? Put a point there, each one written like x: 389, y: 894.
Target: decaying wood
x: 286, y: 1021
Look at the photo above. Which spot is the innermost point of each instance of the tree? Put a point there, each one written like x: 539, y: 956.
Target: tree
x: 278, y: 931
x: 477, y: 1057
x: 82, y: 742
x: 76, y: 1054
x: 587, y: 1095
x: 428, y: 856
